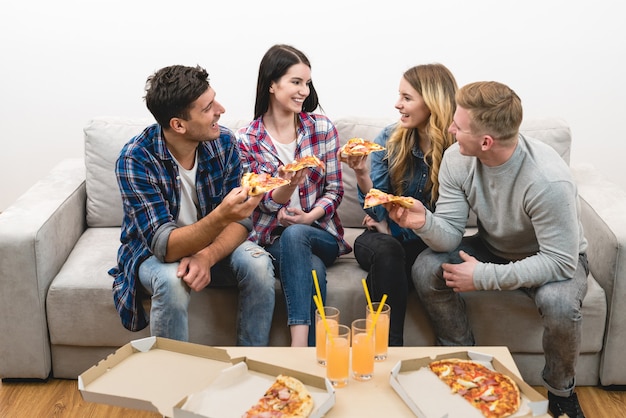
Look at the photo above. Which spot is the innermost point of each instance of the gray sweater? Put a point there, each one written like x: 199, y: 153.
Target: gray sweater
x: 527, y: 210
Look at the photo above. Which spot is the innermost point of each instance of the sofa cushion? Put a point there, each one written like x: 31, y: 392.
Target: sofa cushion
x: 104, y: 138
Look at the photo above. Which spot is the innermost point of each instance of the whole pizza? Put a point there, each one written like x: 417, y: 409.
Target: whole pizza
x: 287, y: 397
x: 494, y: 394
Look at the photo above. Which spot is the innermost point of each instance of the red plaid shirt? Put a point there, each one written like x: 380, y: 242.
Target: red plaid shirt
x: 316, y: 136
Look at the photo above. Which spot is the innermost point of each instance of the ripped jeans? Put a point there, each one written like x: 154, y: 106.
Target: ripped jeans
x: 249, y: 268
x: 558, y: 302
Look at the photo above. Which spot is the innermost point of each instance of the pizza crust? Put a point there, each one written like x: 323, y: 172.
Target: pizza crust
x: 304, y: 162
x: 261, y: 183
x: 377, y: 197
x: 356, y: 147
x: 287, y: 397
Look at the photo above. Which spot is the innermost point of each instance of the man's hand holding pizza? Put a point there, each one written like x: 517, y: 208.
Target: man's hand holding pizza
x: 412, y: 218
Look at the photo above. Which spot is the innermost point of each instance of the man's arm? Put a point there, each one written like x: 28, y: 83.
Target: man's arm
x: 190, y: 239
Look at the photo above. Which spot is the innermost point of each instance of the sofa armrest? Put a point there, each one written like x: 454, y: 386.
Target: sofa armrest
x: 37, y: 234
x: 603, y: 206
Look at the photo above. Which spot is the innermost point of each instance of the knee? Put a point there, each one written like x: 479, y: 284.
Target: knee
x: 294, y: 233
x: 426, y: 272
x: 170, y: 287
x: 554, y: 307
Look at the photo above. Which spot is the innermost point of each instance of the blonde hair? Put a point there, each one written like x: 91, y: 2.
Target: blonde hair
x: 437, y: 86
x: 494, y: 109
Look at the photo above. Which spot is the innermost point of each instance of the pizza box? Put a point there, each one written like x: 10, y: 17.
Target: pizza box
x: 159, y: 374
x: 409, y: 378
x: 240, y: 386
x: 152, y: 374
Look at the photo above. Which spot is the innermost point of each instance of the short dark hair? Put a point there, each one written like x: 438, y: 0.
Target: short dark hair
x: 274, y: 64
x: 171, y: 90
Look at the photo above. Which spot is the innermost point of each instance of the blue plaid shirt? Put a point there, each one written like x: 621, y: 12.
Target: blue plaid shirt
x: 150, y: 185
x: 415, y: 183
x: 324, y: 188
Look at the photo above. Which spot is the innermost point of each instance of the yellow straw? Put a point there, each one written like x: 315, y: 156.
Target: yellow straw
x: 320, y: 308
x: 317, y: 287
x: 380, y: 308
x: 367, y: 296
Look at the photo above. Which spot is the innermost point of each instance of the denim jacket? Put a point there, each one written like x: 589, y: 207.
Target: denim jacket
x: 415, y: 183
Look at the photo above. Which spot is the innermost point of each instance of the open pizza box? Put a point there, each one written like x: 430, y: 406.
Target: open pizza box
x: 158, y: 374
x: 429, y: 397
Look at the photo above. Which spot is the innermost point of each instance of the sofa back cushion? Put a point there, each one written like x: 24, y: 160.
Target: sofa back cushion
x: 105, y: 137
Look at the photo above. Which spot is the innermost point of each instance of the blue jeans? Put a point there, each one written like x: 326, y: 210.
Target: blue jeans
x: 298, y: 251
x: 388, y: 262
x: 559, y: 303
x: 249, y: 268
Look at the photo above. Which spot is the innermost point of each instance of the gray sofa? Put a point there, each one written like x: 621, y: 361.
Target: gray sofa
x: 59, y: 239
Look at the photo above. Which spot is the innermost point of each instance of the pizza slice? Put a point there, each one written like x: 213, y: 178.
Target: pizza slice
x: 494, y: 394
x: 261, y: 183
x: 377, y: 197
x: 359, y: 147
x: 287, y: 397
x: 304, y: 162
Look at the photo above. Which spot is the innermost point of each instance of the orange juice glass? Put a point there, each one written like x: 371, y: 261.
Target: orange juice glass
x: 332, y: 319
x: 362, y: 349
x: 382, y: 330
x: 338, y: 356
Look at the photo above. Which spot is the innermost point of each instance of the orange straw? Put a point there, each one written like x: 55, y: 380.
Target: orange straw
x: 380, y: 308
x: 367, y: 296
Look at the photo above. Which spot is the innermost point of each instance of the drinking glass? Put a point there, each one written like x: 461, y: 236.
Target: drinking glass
x: 382, y: 330
x: 338, y: 356
x: 362, y: 349
x: 332, y: 319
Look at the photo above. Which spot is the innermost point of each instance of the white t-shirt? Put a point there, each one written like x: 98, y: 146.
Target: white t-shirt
x: 287, y: 153
x: 188, y: 211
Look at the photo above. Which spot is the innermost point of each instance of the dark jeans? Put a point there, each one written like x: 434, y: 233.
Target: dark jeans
x: 559, y: 303
x: 388, y: 262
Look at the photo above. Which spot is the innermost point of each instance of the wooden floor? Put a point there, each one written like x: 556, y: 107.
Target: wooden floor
x: 60, y: 398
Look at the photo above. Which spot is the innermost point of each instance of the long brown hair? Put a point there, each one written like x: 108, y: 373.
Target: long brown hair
x: 437, y: 86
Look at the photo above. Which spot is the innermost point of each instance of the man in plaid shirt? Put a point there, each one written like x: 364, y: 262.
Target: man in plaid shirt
x: 186, y: 217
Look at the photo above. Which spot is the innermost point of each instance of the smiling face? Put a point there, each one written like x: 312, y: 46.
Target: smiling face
x: 469, y: 143
x: 288, y: 93
x: 413, y: 111
x: 204, y: 114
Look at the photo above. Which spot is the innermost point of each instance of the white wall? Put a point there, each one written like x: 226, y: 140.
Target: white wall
x: 64, y: 62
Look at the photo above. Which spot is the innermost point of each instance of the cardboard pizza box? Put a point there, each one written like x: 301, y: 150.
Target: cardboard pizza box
x: 428, y: 397
x: 158, y: 374
x: 242, y: 385
x: 152, y: 374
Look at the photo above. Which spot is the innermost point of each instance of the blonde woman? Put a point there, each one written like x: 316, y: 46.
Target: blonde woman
x: 409, y: 166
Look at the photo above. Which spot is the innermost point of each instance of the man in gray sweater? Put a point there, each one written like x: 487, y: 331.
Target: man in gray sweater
x: 529, y: 233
